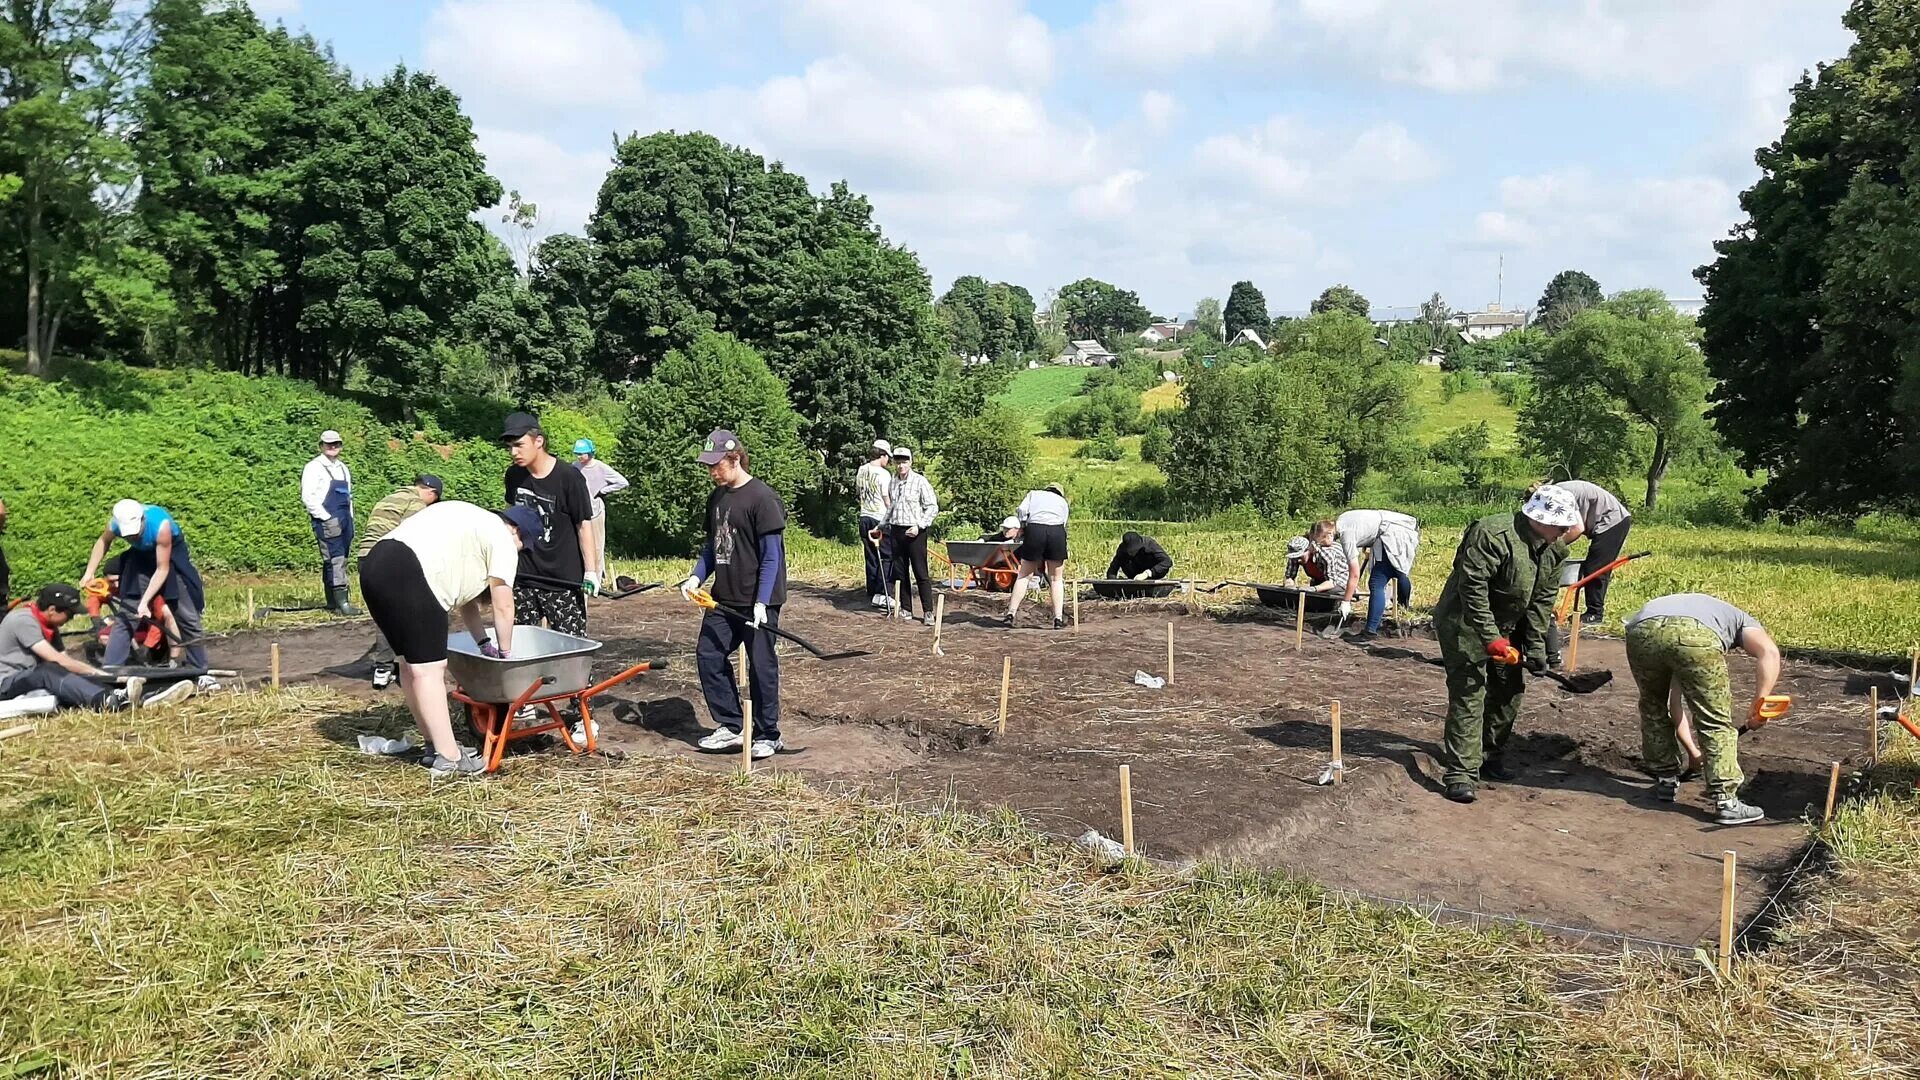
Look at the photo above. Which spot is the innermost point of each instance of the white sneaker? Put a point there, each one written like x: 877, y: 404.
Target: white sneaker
x: 764, y: 748
x: 207, y: 683
x: 579, y: 733
x: 721, y: 739
x: 879, y: 600
x: 179, y: 691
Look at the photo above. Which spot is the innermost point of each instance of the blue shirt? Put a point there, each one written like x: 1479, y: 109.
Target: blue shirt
x: 149, y: 538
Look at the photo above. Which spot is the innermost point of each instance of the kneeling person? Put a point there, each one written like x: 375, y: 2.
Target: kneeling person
x: 1680, y: 642
x: 1140, y: 558
x: 442, y: 558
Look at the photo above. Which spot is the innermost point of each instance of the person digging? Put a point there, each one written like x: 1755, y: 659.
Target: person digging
x: 1392, y: 541
x: 1492, y: 622
x: 156, y: 565
x: 1679, y: 643
x: 745, y: 551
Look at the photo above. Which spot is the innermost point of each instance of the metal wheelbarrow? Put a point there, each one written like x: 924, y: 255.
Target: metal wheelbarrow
x: 548, y: 669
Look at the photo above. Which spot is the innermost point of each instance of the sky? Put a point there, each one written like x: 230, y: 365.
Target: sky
x: 1171, y: 147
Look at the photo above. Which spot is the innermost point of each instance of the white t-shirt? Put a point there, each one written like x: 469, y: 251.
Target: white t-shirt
x: 459, y: 546
x: 1042, y: 507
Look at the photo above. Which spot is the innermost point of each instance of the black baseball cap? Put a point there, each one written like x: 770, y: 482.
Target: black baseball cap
x: 518, y: 424
x: 719, y: 444
x: 428, y: 480
x: 59, y: 597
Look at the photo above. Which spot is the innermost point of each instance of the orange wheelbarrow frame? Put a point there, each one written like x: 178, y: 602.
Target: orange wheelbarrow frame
x: 495, y: 722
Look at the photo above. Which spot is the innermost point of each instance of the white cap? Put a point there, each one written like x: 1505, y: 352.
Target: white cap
x: 331, y: 435
x: 1010, y: 522
x: 1553, y: 505
x: 1297, y: 548
x: 883, y: 446
x: 903, y: 453
x: 129, y: 517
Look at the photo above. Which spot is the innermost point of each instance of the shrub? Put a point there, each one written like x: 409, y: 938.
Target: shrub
x: 1513, y: 390
x: 1157, y: 442
x: 1470, y: 450
x: 982, y: 469
x: 1110, y: 406
x: 718, y: 382
x: 1257, y: 434
x: 1104, y: 446
x: 1457, y: 382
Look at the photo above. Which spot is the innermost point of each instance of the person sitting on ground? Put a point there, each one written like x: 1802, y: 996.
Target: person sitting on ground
x: 1680, y: 642
x: 157, y: 564
x: 1139, y: 558
x: 444, y: 558
x: 1043, y: 546
x: 31, y: 658
x: 1009, y: 530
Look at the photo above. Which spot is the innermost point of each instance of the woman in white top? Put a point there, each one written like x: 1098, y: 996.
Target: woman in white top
x: 442, y: 558
x: 1043, y: 546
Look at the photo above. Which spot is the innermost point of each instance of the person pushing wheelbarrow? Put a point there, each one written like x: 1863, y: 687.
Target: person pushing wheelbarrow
x: 1492, y: 622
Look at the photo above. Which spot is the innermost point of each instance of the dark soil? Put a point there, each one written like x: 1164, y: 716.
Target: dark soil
x: 1224, y: 759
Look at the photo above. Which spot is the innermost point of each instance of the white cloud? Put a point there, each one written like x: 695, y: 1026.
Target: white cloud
x: 1156, y: 34
x: 1654, y: 230
x: 564, y: 184
x: 275, y: 9
x: 1157, y: 111
x: 1284, y: 159
x: 932, y: 42
x: 1111, y: 199
x: 527, y: 55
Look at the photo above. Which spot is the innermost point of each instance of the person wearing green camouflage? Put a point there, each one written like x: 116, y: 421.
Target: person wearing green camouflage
x: 1492, y: 618
x: 1680, y: 642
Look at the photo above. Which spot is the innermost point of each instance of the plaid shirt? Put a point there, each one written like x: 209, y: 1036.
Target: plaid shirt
x: 914, y: 505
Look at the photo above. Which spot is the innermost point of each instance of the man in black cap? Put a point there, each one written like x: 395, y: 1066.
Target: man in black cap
x: 555, y: 571
x: 31, y: 657
x: 746, y: 554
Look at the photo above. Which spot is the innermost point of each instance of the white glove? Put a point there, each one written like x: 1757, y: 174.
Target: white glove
x: 689, y: 587
x: 759, y: 616
x: 1346, y: 609
x: 591, y: 583
x: 1143, y: 575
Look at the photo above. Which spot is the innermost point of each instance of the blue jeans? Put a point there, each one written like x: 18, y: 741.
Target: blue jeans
x: 69, y: 690
x: 1382, y: 572
x: 721, y: 634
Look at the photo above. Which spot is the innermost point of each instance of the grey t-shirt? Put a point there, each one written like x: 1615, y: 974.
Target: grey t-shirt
x: 1710, y: 611
x: 19, y: 633
x: 1600, y: 510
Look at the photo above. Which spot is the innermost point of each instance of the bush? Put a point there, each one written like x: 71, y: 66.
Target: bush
x: 982, y: 470
x: 1157, y: 442
x: 1513, y: 390
x: 1453, y: 383
x: 1470, y: 450
x: 718, y: 382
x: 222, y: 451
x: 1104, y: 446
x: 1257, y: 434
x: 1110, y: 406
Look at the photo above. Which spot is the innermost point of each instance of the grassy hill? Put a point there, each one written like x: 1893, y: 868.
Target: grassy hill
x: 1035, y: 392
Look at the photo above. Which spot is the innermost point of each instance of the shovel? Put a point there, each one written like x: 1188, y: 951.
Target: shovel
x: 705, y: 599
x: 1580, y: 682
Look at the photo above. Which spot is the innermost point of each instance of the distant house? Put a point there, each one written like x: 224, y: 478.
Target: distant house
x: 1160, y: 332
x: 1247, y: 336
x: 1087, y: 353
x: 1489, y: 324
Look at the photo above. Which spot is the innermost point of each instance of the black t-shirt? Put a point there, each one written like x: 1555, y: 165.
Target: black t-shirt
x: 560, y: 498
x: 736, y: 520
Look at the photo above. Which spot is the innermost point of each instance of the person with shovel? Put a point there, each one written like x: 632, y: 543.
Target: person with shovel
x: 156, y: 564
x: 556, y: 572
x: 870, y: 486
x: 1492, y: 622
x: 1680, y: 642
x: 1392, y: 540
x: 746, y: 553
x: 326, y: 488
x: 1605, y: 522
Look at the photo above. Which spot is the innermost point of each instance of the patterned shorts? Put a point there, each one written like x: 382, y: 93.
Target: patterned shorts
x: 564, y: 610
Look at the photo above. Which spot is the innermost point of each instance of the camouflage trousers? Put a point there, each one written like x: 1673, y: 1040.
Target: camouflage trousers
x: 1674, y: 653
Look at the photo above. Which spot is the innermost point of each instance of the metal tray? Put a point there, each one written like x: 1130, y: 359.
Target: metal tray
x: 1127, y: 589
x: 537, y: 653
x: 977, y: 552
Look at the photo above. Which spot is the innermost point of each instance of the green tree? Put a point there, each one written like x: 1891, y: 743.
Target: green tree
x: 1341, y: 298
x: 1469, y: 449
x: 1810, y: 328
x: 983, y: 467
x: 1207, y: 318
x: 1567, y: 295
x: 1254, y: 434
x: 67, y: 73
x: 1097, y: 310
x: 995, y: 320
x: 1436, y: 319
x: 1628, y: 368
x: 717, y: 382
x: 1246, y: 309
x: 1368, y: 393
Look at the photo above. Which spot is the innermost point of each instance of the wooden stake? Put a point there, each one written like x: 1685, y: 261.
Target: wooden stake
x: 1727, y: 861
x: 1006, y: 678
x: 1873, y: 726
x: 1573, y: 646
x: 250, y: 608
x: 746, y: 736
x: 939, y: 619
x: 1299, y: 619
x: 26, y: 729
x: 1169, y: 654
x: 740, y: 665
x: 274, y: 654
x: 1126, y: 810
x: 1833, y: 789
x: 1339, y: 769
x: 1075, y: 586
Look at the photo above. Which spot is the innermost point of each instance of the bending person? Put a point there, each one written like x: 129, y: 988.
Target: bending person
x: 1605, y: 522
x: 1043, y: 546
x: 156, y: 565
x: 445, y: 557
x: 1392, y: 540
x: 1139, y: 558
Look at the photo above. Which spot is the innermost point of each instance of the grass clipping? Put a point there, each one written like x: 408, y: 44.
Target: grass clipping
x: 230, y: 889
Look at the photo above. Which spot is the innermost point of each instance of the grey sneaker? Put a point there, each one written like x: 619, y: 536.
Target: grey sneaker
x: 1731, y: 811
x: 115, y: 701
x: 1666, y: 788
x: 765, y: 748
x: 179, y: 691
x: 470, y: 764
x: 928, y: 619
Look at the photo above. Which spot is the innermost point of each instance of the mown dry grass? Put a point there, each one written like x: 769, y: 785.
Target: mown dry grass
x: 229, y: 889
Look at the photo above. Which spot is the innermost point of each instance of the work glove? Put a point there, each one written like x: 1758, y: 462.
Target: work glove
x: 1501, y: 651
x: 1535, y: 662
x: 1346, y: 609
x: 913, y: 532
x: 689, y: 587
x: 1143, y: 575
x: 591, y: 583
x: 330, y: 528
x: 759, y: 616
x: 489, y: 649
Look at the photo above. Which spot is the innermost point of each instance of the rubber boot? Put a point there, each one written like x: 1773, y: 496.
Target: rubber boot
x: 337, y: 601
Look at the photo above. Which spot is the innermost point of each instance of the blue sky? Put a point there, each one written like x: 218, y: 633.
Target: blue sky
x: 1401, y: 146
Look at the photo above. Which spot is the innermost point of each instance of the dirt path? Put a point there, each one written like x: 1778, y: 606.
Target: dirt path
x: 1224, y: 758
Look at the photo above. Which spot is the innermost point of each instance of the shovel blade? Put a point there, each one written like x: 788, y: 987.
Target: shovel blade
x: 1583, y: 682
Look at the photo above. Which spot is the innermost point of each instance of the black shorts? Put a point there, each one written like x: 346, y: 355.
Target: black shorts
x: 1043, y: 543
x: 395, y: 591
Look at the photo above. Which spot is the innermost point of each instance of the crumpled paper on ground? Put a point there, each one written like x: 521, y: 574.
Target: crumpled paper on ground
x: 381, y: 746
x: 1104, y: 848
x: 1151, y: 682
